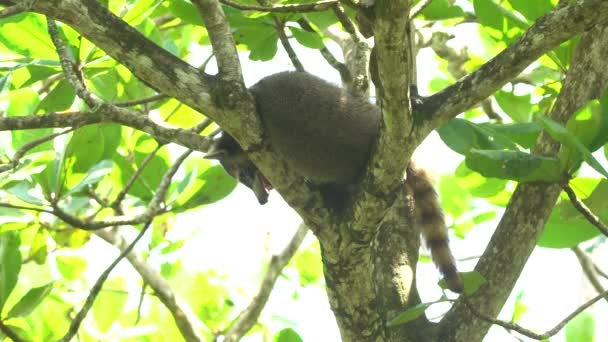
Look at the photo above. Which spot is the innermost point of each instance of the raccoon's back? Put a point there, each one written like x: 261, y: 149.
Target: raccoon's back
x: 321, y: 130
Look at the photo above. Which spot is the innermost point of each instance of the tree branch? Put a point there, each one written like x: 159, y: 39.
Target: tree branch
x: 143, y: 58
x: 248, y: 317
x: 107, y: 114
x: 319, y: 6
x: 589, y: 269
x: 526, y: 214
x: 527, y: 332
x: 584, y: 210
x: 162, y: 289
x: 25, y: 148
x: 547, y: 32
x: 75, y: 325
x: 153, y: 209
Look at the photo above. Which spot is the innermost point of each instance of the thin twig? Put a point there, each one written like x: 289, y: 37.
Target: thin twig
x: 145, y: 100
x: 529, y: 333
x: 589, y: 268
x: 75, y: 325
x: 23, y: 207
x: 123, y: 193
x: 153, y: 209
x: 184, y: 319
x: 584, y: 210
x: 201, y: 126
x: 15, y: 9
x: 329, y: 57
x: 418, y: 8
x: 68, y: 66
x: 248, y: 317
x: 292, y: 8
x: 25, y: 148
x: 280, y: 28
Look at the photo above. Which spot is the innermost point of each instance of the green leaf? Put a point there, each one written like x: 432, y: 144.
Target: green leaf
x: 10, y: 264
x: 33, y: 39
x: 454, y: 199
x: 211, y: 185
x: 257, y: 34
x: 562, y: 232
x: 27, y: 192
x: 514, y: 165
x: 569, y: 140
x: 524, y: 134
x: 39, y: 247
x: 519, y: 108
x: 472, y: 282
x: 532, y: 10
x: 442, y: 10
x: 185, y: 11
x: 309, y: 39
x: 59, y: 98
x: 489, y: 14
x: 71, y: 267
x: 462, y: 136
x: 581, y: 328
x: 95, y: 174
x: 84, y: 149
x: 287, y: 335
x: 105, y: 84
x: 410, y: 314
x: 30, y: 301
x: 109, y: 304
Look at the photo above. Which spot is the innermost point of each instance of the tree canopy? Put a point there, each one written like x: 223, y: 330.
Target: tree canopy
x: 106, y: 109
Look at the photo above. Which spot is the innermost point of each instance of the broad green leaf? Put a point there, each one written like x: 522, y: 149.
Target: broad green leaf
x: 111, y: 138
x: 462, y: 136
x: 60, y: 98
x: 72, y: 238
x: 105, y: 84
x: 211, y: 185
x: 472, y: 282
x: 454, y: 199
x: 34, y: 40
x: 566, y: 233
x: 258, y: 34
x: 590, y: 125
x: 95, y: 174
x: 520, y: 308
x: 524, y: 134
x: 519, y: 108
x: 513, y: 165
x: 27, y: 192
x: 489, y: 14
x: 30, y: 301
x: 532, y: 10
x: 288, y: 335
x: 185, y: 11
x: 109, y: 304
x: 442, y: 10
x: 309, y: 265
x: 10, y: 264
x: 410, y: 314
x: 84, y: 149
x: 570, y: 141
x: 71, y: 267
x: 309, y: 39
x: 121, y: 175
x: 581, y: 328
x: 22, y: 102
x: 39, y: 247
